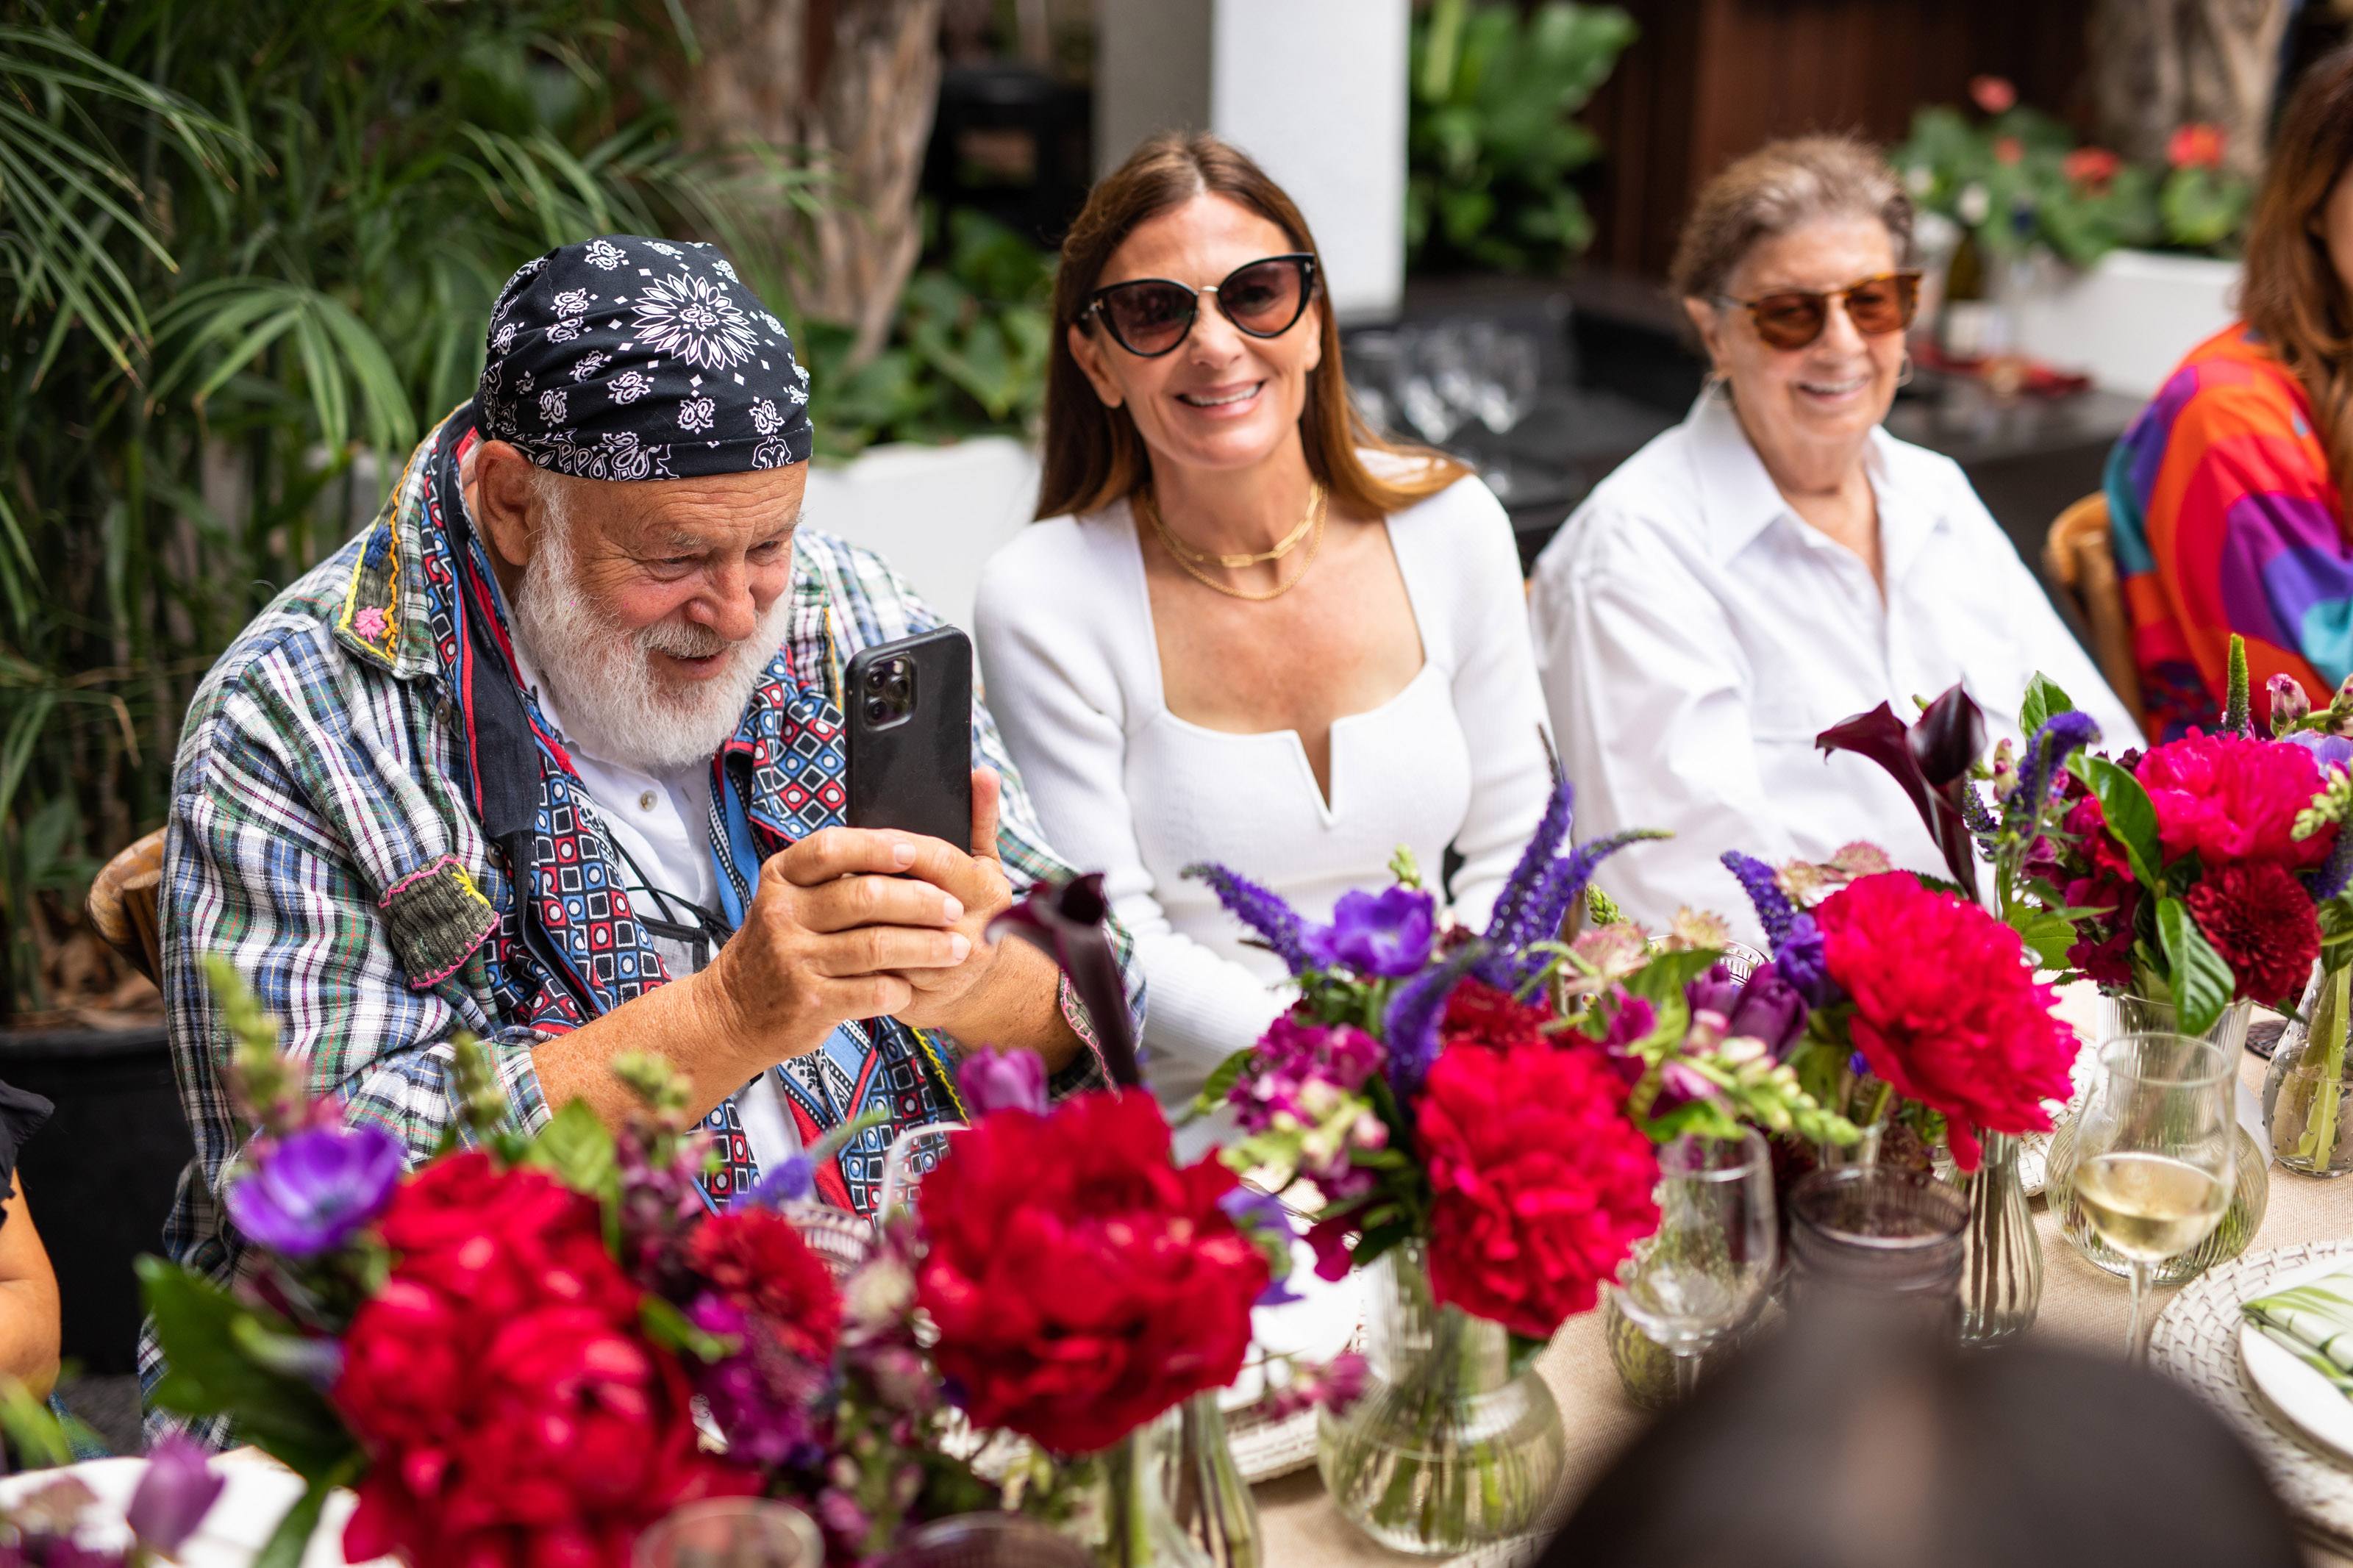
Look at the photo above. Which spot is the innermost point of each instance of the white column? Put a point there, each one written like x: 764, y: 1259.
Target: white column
x: 1313, y: 89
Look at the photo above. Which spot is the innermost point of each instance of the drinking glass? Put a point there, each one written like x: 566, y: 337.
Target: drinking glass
x: 733, y: 1532
x: 986, y: 1541
x: 1882, y: 1235
x: 913, y: 1156
x: 2154, y: 1148
x: 1705, y: 1270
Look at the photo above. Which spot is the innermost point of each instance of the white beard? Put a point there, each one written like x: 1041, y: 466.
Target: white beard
x: 602, y: 675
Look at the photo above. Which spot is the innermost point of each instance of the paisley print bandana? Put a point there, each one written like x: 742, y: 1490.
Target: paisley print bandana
x: 627, y: 358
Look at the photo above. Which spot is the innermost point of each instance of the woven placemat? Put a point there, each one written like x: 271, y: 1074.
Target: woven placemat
x: 2197, y: 1341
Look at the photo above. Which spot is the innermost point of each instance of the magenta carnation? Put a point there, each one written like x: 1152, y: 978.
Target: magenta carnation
x: 1295, y: 1069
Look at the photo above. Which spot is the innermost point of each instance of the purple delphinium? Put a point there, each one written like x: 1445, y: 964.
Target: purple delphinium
x: 2330, y: 878
x: 1803, y: 963
x: 173, y: 1495
x: 1509, y: 927
x: 1774, y: 910
x: 992, y: 1081
x: 312, y: 1191
x: 2059, y: 737
x: 1261, y: 910
x: 1386, y: 933
x: 1412, y: 1020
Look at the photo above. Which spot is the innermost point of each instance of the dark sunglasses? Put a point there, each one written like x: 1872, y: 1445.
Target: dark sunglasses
x: 1150, y: 316
x: 1795, y: 317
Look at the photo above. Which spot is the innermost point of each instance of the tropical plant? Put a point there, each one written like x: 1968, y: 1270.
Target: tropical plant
x: 246, y: 252
x: 1490, y: 144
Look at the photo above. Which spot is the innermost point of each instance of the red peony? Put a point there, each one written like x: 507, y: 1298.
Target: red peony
x: 512, y: 1413
x: 1081, y: 1280
x: 1480, y: 1015
x: 759, y: 1262
x: 2229, y: 798
x: 1945, y: 1009
x: 2260, y: 918
x: 2092, y: 167
x: 2196, y: 146
x: 1542, y: 1183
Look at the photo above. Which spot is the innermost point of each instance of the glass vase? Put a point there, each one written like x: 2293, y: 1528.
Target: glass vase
x: 1132, y: 1525
x: 1449, y: 1448
x: 1206, y: 1492
x: 2001, y: 1255
x: 2306, y: 1095
x: 2129, y: 1013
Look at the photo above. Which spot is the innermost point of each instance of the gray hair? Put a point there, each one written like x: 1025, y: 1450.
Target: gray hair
x: 1777, y: 188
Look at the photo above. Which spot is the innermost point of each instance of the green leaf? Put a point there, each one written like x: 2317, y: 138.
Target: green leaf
x: 576, y: 1148
x: 289, y: 1541
x: 206, y: 1373
x: 1664, y: 976
x: 2043, y: 698
x: 669, y: 1328
x: 2047, y: 935
x: 2131, y: 819
x: 2202, y: 982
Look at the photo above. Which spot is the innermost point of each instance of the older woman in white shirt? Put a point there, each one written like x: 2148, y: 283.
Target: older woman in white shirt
x: 1777, y: 561
x: 1248, y: 631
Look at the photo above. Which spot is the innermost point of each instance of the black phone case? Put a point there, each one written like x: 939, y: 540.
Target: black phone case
x: 914, y: 772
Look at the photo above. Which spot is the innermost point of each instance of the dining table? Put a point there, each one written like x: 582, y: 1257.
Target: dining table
x: 2081, y: 1306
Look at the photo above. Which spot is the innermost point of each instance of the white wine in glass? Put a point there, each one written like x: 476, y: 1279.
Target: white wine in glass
x: 2156, y: 1143
x: 2150, y: 1206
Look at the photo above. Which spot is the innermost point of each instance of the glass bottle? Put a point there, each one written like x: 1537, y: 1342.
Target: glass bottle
x: 1449, y: 1448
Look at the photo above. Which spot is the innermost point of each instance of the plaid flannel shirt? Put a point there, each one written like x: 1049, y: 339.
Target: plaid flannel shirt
x: 319, y: 781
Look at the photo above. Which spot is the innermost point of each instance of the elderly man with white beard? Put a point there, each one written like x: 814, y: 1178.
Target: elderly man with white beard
x: 551, y: 753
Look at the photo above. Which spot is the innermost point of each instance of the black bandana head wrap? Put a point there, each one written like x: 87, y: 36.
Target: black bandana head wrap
x: 625, y: 358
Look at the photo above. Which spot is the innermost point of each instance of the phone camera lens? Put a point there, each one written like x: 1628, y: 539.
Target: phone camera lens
x: 876, y: 709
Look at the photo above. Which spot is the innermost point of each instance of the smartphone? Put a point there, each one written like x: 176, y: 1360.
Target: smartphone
x: 909, y: 705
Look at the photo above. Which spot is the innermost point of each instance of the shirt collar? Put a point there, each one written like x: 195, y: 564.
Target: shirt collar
x: 1739, y: 500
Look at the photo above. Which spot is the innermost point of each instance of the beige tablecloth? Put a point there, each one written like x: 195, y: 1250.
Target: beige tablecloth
x: 2081, y: 1305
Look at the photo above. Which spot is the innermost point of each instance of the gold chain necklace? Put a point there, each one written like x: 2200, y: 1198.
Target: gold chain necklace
x: 1311, y: 528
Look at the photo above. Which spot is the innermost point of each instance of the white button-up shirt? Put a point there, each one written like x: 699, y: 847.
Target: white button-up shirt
x: 1696, y: 636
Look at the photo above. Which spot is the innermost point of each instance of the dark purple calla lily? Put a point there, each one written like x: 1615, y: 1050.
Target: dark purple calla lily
x: 173, y: 1495
x: 1769, y: 1009
x: 1386, y: 933
x: 1065, y: 921
x: 313, y: 1190
x: 1931, y: 761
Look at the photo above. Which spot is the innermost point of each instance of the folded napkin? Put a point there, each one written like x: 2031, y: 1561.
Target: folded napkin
x: 2315, y: 1321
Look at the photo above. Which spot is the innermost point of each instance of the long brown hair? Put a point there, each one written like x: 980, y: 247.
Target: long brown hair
x: 1093, y: 455
x: 2292, y: 296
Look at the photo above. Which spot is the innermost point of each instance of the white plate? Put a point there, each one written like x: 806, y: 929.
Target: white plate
x: 256, y: 1495
x: 2298, y: 1395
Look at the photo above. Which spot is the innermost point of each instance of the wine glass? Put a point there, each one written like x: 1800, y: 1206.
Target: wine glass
x: 913, y: 1156
x: 2154, y: 1148
x: 1705, y: 1270
x: 732, y: 1532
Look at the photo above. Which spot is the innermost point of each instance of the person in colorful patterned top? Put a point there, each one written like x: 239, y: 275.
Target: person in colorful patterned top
x: 2224, y: 495
x: 552, y: 752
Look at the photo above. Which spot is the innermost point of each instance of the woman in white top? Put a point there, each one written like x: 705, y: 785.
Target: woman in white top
x: 1249, y: 631
x: 1777, y: 561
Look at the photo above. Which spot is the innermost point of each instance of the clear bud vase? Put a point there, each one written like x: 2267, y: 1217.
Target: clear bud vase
x: 2001, y: 1255
x: 1449, y: 1448
x: 1211, y: 1503
x: 1132, y: 1525
x: 2306, y: 1095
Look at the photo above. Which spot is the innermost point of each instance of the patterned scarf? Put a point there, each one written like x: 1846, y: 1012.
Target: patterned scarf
x: 569, y: 946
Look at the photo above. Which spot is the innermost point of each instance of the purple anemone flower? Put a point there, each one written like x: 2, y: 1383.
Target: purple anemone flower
x: 314, y: 1189
x: 1386, y: 933
x: 173, y: 1495
x: 1769, y: 1009
x: 993, y: 1081
x: 2328, y: 751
